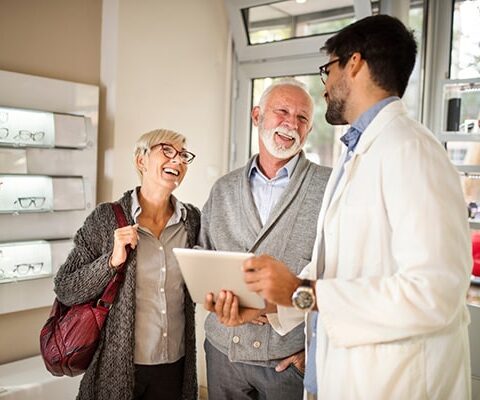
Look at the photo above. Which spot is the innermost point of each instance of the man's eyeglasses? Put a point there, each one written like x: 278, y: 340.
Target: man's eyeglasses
x: 324, y: 71
x: 171, y: 152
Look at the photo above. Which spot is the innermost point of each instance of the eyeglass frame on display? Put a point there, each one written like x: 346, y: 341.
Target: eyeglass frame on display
x: 24, y: 134
x: 30, y: 266
x: 32, y: 199
x: 30, y: 135
x: 171, y: 157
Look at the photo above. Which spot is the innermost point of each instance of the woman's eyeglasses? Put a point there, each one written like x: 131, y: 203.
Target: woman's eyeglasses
x: 171, y: 152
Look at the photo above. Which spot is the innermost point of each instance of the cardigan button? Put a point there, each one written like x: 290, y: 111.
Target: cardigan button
x: 236, y: 339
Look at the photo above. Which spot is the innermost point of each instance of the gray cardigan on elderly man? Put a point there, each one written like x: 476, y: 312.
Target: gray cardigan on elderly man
x: 230, y: 222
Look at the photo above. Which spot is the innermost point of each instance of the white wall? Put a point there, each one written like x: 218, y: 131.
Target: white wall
x: 165, y: 64
x: 171, y: 72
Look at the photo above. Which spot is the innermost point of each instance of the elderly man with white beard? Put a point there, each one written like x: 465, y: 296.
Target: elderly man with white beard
x: 265, y: 207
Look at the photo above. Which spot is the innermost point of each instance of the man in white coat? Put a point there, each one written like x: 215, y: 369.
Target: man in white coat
x: 393, y: 247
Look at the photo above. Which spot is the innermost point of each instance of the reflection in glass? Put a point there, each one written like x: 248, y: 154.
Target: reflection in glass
x: 24, y: 269
x: 30, y: 202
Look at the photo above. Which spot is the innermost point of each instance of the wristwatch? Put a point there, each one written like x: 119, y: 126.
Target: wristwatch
x: 303, y: 298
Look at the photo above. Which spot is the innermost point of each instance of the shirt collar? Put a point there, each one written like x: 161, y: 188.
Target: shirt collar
x: 286, y: 170
x: 179, y: 210
x: 352, y: 136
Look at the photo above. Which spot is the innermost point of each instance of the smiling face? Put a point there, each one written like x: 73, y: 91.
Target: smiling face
x: 284, y: 122
x: 157, y: 169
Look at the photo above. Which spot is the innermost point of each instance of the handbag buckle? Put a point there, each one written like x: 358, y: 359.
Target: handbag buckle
x: 104, y: 304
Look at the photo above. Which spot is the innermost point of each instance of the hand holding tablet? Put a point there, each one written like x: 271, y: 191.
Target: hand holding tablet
x: 209, y: 271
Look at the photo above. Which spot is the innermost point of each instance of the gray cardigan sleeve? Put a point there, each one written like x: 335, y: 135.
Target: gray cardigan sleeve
x: 85, y: 273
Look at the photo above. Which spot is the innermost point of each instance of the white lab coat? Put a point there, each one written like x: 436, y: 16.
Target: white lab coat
x: 392, y: 303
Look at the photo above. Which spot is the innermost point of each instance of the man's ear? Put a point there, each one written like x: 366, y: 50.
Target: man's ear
x: 255, y: 114
x: 356, y: 63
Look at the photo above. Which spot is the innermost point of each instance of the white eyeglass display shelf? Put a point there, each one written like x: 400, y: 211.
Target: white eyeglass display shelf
x: 460, y: 133
x: 48, y: 158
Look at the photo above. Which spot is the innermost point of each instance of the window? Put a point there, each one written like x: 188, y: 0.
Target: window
x: 292, y: 19
x: 465, y: 51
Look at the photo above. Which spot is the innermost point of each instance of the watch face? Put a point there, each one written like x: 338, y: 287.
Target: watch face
x: 303, y: 298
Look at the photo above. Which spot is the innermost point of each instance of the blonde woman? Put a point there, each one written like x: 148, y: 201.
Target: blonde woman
x: 147, y: 350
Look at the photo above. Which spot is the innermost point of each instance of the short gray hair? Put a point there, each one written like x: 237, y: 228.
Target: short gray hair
x: 284, y: 82
x: 148, y: 140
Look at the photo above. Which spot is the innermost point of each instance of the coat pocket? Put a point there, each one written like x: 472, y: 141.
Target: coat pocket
x: 393, y: 371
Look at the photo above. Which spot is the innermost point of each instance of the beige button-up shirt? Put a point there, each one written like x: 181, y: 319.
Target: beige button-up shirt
x: 159, y: 316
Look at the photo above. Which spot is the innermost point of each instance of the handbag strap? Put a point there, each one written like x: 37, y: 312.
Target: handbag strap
x: 110, y: 292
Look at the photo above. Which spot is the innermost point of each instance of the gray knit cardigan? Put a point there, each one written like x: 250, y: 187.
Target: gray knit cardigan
x: 83, y: 277
x: 231, y: 222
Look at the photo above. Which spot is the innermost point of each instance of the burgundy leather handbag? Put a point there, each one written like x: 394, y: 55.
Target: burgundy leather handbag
x: 70, y: 337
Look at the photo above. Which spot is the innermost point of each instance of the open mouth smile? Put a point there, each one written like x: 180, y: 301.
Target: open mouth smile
x: 171, y: 171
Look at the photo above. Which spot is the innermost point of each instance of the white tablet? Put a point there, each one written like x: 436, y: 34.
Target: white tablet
x: 209, y: 271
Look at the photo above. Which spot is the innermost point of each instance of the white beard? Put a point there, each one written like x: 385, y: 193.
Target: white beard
x: 278, y: 150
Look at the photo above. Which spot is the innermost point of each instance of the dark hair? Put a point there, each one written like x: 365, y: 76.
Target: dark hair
x: 385, y: 43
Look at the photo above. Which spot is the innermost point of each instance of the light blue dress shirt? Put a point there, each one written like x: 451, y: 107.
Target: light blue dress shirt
x: 266, y: 192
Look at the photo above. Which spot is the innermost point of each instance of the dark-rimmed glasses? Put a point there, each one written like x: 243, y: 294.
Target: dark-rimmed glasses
x: 24, y: 269
x: 28, y: 202
x: 171, y: 152
x: 323, y: 69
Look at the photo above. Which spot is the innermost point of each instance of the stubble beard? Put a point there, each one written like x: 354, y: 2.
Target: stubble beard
x: 336, y: 104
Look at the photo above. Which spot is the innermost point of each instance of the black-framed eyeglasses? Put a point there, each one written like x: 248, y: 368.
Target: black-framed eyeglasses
x: 24, y: 269
x: 324, y: 71
x: 30, y: 202
x: 171, y: 152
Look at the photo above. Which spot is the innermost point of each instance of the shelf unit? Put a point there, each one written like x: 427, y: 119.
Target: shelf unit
x: 460, y: 134
x: 48, y: 158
